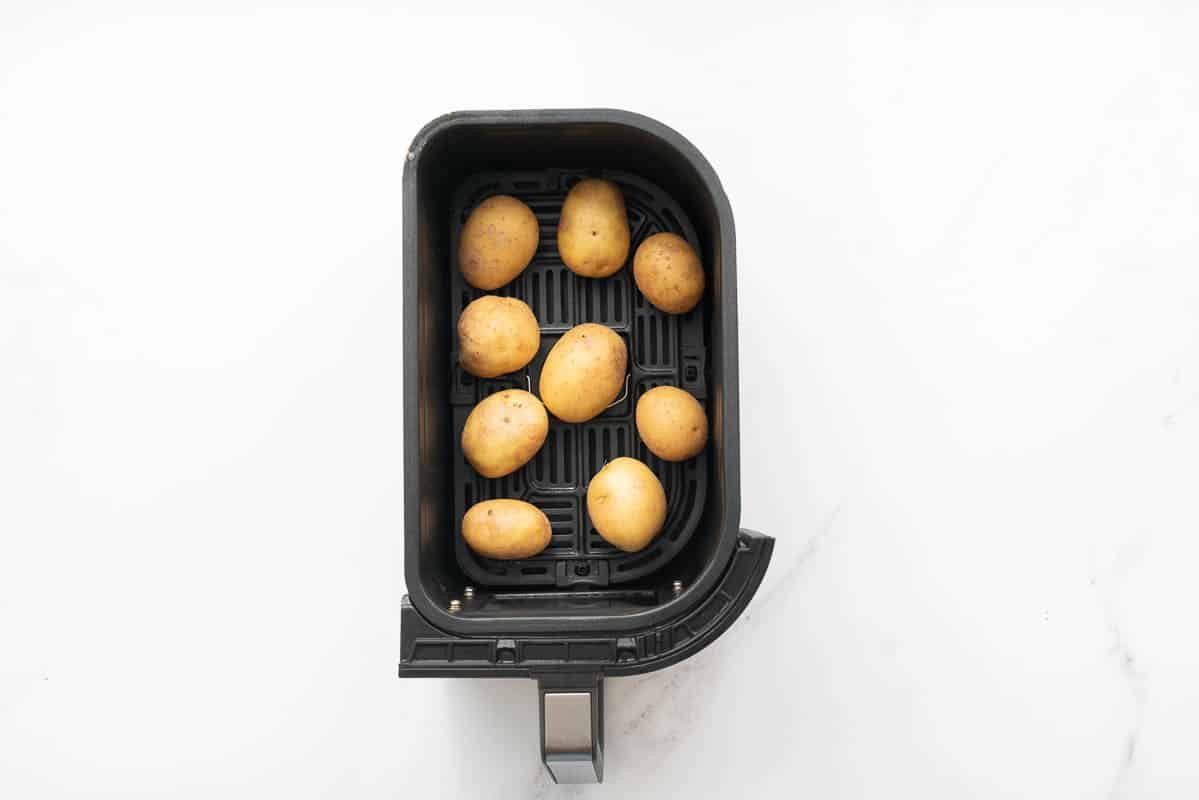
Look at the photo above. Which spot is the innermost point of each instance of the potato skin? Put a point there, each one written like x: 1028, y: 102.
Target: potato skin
x: 497, y: 335
x: 593, y: 229
x: 503, y: 432
x: 668, y: 272
x: 672, y: 423
x: 506, y: 529
x: 627, y: 504
x: 497, y: 242
x: 584, y: 372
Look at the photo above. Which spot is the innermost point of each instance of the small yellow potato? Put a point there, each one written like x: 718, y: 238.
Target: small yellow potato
x: 627, y: 504
x: 506, y: 529
x: 584, y: 372
x: 497, y: 242
x: 593, y: 229
x: 503, y: 432
x: 672, y: 423
x: 497, y: 335
x: 668, y: 272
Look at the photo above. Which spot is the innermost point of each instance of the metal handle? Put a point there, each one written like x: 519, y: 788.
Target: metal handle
x: 572, y: 727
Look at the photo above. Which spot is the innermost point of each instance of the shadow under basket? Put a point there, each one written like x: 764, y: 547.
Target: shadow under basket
x: 580, y: 610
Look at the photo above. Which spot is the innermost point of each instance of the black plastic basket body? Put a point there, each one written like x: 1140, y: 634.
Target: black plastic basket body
x: 581, y: 610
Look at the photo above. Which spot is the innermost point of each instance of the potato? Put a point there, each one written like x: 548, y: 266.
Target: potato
x: 584, y: 372
x: 627, y: 504
x: 672, y: 423
x: 668, y: 273
x: 503, y: 432
x: 497, y: 335
x: 506, y: 529
x: 593, y: 230
x: 497, y: 242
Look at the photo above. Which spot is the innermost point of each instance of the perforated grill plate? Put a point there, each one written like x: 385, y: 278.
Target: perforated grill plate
x: 663, y: 350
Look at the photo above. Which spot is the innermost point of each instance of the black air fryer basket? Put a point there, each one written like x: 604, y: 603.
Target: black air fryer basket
x: 581, y: 609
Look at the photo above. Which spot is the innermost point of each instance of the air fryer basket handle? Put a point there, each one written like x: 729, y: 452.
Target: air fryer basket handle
x: 571, y: 689
x: 572, y: 726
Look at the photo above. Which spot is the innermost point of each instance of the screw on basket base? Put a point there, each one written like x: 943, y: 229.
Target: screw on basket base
x: 455, y: 606
x: 677, y: 587
x: 469, y: 593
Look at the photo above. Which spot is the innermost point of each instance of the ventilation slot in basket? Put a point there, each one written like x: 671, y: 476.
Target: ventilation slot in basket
x: 554, y: 466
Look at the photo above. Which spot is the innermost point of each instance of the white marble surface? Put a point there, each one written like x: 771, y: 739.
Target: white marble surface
x: 969, y: 297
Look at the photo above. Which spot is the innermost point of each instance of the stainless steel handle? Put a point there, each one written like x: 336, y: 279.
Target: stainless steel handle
x: 572, y: 727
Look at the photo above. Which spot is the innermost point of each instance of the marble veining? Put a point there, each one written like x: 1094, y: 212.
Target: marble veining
x: 1107, y: 586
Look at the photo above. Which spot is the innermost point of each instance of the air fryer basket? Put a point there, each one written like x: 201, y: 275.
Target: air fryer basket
x: 581, y: 610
